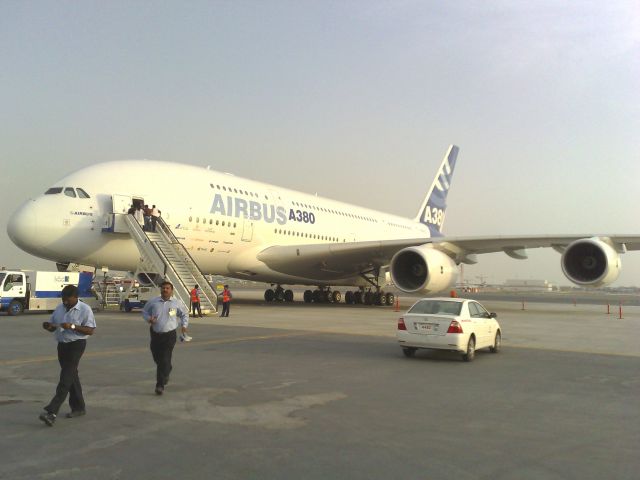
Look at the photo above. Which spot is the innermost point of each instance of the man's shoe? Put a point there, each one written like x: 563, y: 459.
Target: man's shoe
x: 48, y: 418
x: 159, y: 390
x: 76, y: 413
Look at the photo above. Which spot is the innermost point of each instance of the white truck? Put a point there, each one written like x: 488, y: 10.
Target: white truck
x: 22, y: 290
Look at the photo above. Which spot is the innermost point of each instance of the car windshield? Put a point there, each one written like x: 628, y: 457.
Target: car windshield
x: 437, y: 307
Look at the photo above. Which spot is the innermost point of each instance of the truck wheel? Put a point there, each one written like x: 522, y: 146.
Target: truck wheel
x: 127, y: 306
x: 15, y: 308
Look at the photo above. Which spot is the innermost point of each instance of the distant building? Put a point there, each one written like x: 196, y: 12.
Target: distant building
x: 529, y: 285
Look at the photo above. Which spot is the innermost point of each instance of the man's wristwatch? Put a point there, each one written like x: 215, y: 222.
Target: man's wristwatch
x: 73, y: 326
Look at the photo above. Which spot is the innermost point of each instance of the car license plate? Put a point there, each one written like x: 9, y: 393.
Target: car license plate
x: 427, y: 327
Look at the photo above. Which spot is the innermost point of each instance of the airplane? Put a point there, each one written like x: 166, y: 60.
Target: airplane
x: 245, y: 229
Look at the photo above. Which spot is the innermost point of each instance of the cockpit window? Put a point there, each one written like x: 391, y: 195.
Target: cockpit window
x: 82, y: 193
x: 53, y: 191
x: 70, y: 192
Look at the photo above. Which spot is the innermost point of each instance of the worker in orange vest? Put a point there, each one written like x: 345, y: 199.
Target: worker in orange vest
x: 226, y: 301
x: 195, y: 301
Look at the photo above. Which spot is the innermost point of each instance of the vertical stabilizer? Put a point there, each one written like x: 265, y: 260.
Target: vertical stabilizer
x: 433, y: 207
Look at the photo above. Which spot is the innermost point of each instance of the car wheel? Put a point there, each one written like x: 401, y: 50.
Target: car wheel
x: 496, y: 343
x: 471, y: 350
x: 15, y: 308
x: 409, y: 352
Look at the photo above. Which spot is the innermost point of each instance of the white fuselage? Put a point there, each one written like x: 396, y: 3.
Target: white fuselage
x: 224, y: 221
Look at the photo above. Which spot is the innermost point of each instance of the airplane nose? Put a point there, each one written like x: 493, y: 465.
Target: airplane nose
x: 22, y: 228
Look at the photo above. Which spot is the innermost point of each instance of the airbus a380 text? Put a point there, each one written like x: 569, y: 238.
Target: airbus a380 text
x: 245, y: 229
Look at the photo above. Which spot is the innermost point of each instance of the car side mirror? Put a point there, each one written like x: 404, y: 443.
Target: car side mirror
x: 493, y: 315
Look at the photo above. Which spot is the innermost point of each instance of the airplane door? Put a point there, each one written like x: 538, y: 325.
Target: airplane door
x: 247, y: 230
x: 121, y: 203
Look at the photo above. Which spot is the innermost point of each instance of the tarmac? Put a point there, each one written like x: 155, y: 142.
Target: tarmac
x: 291, y: 391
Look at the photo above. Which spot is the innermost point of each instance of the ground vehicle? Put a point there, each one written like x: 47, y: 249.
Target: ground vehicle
x: 136, y: 296
x: 455, y: 324
x: 22, y: 290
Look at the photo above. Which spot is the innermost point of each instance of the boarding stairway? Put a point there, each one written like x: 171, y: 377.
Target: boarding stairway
x: 162, y: 252
x: 108, y: 294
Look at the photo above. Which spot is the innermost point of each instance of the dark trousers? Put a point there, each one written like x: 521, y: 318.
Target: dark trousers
x: 154, y: 220
x: 69, y: 355
x: 194, y: 306
x: 162, y: 348
x: 225, y: 309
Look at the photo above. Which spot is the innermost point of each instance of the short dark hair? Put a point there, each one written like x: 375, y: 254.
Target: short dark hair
x: 166, y: 282
x: 70, y: 291
x: 226, y: 286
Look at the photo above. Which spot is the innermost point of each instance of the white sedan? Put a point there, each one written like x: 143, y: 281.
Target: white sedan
x: 455, y: 324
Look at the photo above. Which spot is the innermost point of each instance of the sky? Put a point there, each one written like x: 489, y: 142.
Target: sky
x: 354, y: 100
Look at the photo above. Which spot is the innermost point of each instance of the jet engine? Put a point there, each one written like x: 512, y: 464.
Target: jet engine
x: 590, y: 262
x: 423, y: 269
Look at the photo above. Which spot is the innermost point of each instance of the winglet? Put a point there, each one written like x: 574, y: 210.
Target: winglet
x: 433, y: 207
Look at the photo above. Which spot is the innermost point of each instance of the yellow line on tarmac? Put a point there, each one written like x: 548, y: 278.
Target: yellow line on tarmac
x: 127, y: 351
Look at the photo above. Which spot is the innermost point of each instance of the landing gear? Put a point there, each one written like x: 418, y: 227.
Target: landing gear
x: 322, y: 295
x: 369, y: 297
x: 364, y: 296
x: 278, y: 294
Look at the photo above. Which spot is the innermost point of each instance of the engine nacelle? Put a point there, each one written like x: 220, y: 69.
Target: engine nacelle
x: 590, y: 262
x: 423, y: 268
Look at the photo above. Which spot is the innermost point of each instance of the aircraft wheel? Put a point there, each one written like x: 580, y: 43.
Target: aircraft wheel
x: 288, y: 295
x: 326, y: 296
x: 269, y: 295
x: 390, y: 298
x: 368, y: 298
x: 357, y: 297
x: 383, y: 299
x: 317, y: 296
x: 308, y: 296
x: 348, y: 297
x: 336, y: 296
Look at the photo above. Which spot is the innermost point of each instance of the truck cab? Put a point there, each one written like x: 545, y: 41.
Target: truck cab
x: 13, y: 292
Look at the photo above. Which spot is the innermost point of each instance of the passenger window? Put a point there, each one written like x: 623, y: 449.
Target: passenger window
x: 70, y: 192
x: 82, y: 193
x: 474, y: 310
x: 481, y: 311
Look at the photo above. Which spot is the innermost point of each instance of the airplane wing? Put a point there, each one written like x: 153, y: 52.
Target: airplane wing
x: 347, y: 259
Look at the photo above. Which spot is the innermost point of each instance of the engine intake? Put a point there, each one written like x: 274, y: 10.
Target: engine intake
x: 423, y: 268
x: 590, y: 262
